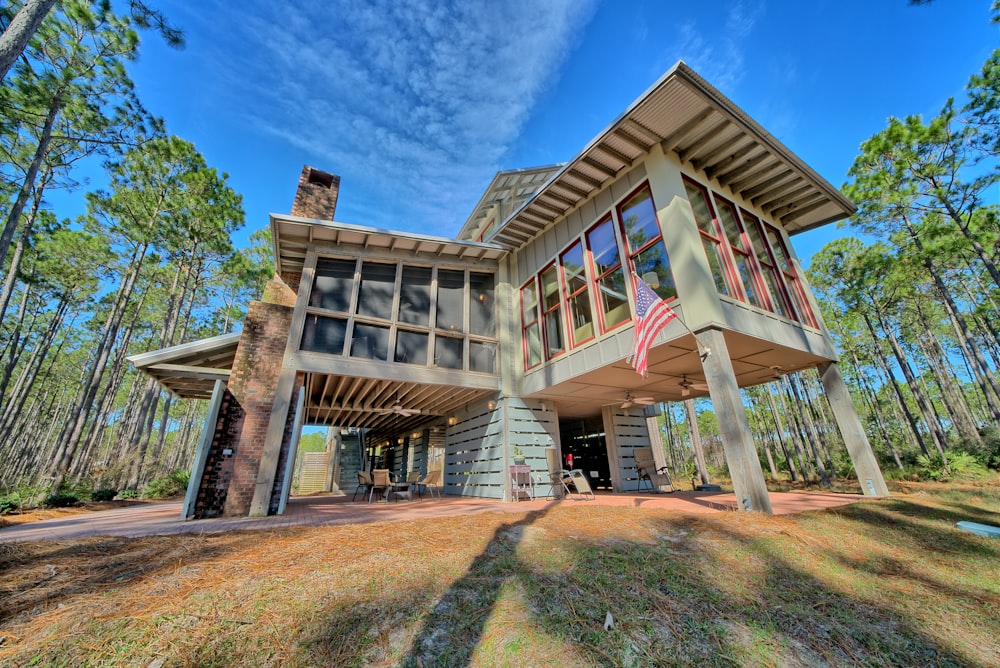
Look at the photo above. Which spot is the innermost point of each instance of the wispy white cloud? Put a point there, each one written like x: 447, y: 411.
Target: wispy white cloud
x: 716, y: 51
x: 413, y: 102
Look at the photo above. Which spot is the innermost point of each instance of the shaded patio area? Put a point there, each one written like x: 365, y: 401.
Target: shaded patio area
x: 164, y: 518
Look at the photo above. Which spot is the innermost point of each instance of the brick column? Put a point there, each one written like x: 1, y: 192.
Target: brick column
x: 231, y: 468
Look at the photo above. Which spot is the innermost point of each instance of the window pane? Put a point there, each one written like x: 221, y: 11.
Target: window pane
x: 702, y: 211
x: 333, y: 285
x: 614, y: 301
x: 411, y: 347
x: 533, y: 345
x: 731, y: 226
x: 654, y: 259
x: 529, y: 303
x: 415, y: 296
x: 583, y: 319
x: 776, y: 296
x: 553, y: 333
x: 639, y: 219
x: 370, y: 342
x: 482, y: 357
x: 746, y: 273
x: 550, y: 288
x: 450, y: 302
x: 573, y: 273
x: 378, y: 287
x: 323, y: 335
x: 482, y: 304
x: 448, y: 352
x: 778, y: 248
x: 604, y: 248
x: 712, y: 252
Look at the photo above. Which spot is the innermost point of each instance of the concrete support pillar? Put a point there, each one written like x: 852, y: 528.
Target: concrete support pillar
x: 737, y: 440
x: 865, y: 465
x: 268, y: 471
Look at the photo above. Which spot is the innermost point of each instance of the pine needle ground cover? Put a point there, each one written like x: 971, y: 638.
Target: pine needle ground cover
x: 887, y: 582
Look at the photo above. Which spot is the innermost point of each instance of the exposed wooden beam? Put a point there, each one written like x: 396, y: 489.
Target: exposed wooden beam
x: 629, y: 139
x: 703, y: 141
x: 670, y: 141
x: 599, y: 166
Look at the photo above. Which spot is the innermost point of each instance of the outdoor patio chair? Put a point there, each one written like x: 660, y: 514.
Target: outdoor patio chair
x: 364, y: 484
x: 381, y: 483
x: 431, y: 482
x: 656, y: 478
x: 573, y: 482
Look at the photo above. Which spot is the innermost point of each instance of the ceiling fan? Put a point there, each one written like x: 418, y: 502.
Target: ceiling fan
x: 633, y: 401
x: 397, y: 409
x: 686, y: 386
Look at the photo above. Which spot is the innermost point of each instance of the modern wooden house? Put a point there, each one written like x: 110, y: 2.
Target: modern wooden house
x: 452, y: 352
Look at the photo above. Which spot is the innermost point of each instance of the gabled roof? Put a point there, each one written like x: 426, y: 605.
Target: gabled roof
x: 191, y: 369
x: 683, y: 113
x: 509, y: 189
x: 292, y: 236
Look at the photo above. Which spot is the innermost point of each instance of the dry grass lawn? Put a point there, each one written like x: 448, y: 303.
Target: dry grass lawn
x: 887, y: 582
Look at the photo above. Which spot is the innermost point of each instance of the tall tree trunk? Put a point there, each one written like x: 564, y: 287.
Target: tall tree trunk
x: 28, y: 185
x: 17, y: 35
x: 696, y: 444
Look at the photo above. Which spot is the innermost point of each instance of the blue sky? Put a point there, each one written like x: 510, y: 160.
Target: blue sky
x: 416, y: 103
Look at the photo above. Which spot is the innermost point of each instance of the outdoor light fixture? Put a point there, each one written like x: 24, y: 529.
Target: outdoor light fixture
x: 652, y: 279
x: 452, y: 420
x: 415, y: 434
x: 491, y: 404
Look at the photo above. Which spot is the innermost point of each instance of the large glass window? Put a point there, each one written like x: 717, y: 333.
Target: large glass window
x: 795, y: 289
x: 448, y: 352
x: 415, y: 296
x: 739, y: 246
x: 411, y: 347
x: 378, y: 287
x: 552, y: 312
x: 577, y: 294
x: 776, y: 292
x: 482, y: 306
x: 641, y: 230
x: 530, y: 325
x: 609, y: 279
x: 370, y: 342
x: 324, y: 335
x: 450, y: 300
x: 379, y: 325
x: 711, y: 238
x: 333, y: 285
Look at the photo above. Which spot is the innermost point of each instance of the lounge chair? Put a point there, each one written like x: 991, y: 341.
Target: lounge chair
x: 381, y: 483
x: 573, y: 482
x: 431, y: 482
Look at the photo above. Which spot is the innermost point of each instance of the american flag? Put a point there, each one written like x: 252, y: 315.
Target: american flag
x: 651, y: 315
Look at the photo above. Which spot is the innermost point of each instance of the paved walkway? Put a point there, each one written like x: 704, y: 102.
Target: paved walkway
x: 158, y: 519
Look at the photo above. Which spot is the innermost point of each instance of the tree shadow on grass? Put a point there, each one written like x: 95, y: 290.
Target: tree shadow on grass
x: 47, y: 573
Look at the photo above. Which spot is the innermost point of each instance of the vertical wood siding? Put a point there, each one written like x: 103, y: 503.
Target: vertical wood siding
x: 624, y: 433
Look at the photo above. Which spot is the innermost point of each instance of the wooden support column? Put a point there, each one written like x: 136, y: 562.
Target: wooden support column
x: 737, y: 439
x: 865, y: 465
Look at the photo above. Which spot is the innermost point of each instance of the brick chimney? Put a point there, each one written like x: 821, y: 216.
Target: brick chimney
x: 316, y: 196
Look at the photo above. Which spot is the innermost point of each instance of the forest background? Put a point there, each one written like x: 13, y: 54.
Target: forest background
x: 911, y: 296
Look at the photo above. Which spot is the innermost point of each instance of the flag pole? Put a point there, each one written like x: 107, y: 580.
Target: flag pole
x: 703, y: 350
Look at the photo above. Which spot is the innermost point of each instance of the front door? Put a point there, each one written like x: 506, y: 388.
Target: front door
x: 584, y: 448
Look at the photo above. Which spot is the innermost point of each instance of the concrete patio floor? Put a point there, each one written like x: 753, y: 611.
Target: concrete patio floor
x: 157, y: 519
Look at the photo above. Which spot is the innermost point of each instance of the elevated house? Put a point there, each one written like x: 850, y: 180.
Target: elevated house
x: 451, y: 352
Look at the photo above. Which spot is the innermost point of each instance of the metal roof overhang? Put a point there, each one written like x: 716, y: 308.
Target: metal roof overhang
x: 191, y: 369
x: 683, y: 113
x: 292, y: 237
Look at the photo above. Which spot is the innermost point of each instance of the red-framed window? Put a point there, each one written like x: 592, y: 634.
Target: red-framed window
x: 531, y: 326
x: 723, y: 273
x: 647, y: 255
x: 745, y: 263
x: 552, y: 312
x: 577, y: 294
x: 796, y: 291
x: 608, y: 277
x: 780, y: 302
